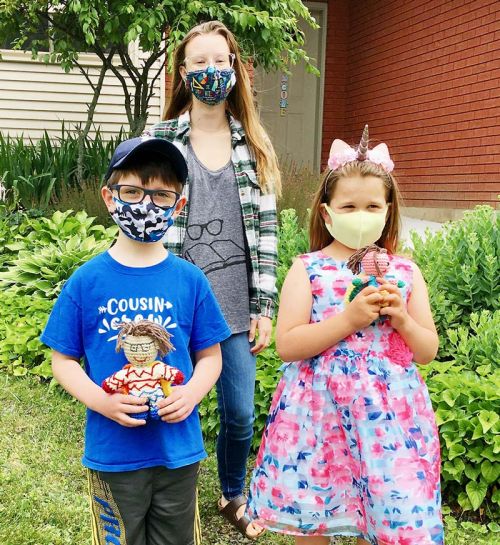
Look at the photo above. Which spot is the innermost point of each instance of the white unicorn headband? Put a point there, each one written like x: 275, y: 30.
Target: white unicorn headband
x: 342, y: 153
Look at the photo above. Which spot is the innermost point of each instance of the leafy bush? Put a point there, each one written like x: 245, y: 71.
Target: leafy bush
x: 292, y: 241
x: 21, y: 322
x: 13, y: 222
x: 461, y: 266
x: 34, y: 173
x: 51, y: 249
x: 464, y: 393
x: 38, y: 255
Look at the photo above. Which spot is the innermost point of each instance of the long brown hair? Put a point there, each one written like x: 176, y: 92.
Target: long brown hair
x: 239, y: 103
x: 319, y: 237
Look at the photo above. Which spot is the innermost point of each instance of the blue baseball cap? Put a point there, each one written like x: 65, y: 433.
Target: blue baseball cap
x: 129, y: 150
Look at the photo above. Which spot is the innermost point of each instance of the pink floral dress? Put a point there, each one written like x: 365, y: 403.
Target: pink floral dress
x: 351, y: 446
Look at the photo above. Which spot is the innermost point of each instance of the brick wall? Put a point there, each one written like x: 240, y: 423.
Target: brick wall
x: 337, y: 48
x: 425, y: 75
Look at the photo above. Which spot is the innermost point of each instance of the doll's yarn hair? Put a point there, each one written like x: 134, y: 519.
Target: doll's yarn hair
x: 355, y: 261
x: 146, y: 328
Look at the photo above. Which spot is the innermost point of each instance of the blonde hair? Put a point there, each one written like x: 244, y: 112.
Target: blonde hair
x: 239, y: 103
x: 319, y: 237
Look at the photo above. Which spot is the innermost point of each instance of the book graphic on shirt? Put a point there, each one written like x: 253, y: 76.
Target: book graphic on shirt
x: 215, y: 254
x: 144, y: 376
x: 117, y: 311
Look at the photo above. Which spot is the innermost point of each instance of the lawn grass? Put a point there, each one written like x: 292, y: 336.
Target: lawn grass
x: 43, y: 499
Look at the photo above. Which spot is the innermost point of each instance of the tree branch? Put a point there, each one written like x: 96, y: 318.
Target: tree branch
x: 128, y: 64
x: 85, y: 74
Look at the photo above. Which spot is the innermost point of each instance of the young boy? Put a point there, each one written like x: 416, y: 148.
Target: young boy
x: 142, y: 474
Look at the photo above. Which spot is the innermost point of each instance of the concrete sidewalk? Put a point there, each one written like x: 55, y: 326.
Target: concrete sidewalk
x: 420, y: 226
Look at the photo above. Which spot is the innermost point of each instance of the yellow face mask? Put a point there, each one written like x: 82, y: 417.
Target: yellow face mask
x: 356, y: 229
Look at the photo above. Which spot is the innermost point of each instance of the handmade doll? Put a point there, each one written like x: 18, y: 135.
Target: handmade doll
x: 369, y: 263
x: 144, y: 375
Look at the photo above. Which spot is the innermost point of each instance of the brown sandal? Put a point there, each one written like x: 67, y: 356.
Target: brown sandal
x: 229, y: 512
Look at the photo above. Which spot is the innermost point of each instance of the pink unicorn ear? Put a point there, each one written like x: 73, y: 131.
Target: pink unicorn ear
x: 340, y: 154
x: 380, y: 156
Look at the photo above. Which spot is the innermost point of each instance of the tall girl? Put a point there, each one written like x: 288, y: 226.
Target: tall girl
x: 228, y: 227
x: 351, y: 446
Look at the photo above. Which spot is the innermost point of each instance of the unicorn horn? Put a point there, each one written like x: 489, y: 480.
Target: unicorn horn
x: 363, y: 145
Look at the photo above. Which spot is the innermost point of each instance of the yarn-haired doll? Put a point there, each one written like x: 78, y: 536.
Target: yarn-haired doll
x: 144, y: 375
x: 369, y: 263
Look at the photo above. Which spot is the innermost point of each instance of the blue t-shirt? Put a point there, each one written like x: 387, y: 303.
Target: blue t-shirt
x: 84, y: 323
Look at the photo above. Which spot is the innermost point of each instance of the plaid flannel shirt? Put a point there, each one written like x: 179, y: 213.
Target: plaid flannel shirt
x: 258, y: 210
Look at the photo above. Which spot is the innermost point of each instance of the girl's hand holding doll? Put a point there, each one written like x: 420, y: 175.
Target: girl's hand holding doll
x: 393, y: 305
x: 364, y: 308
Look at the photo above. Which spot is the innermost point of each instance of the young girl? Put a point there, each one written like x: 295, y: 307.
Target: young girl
x: 228, y: 227
x: 351, y: 446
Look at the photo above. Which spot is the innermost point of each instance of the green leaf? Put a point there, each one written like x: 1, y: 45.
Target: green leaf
x: 495, y: 497
x: 476, y: 492
x: 456, y: 450
x: 464, y: 502
x: 490, y: 471
x: 472, y: 472
x: 488, y: 419
x: 494, y: 527
x: 450, y: 397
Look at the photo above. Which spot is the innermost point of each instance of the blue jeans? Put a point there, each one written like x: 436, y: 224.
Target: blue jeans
x: 235, y: 397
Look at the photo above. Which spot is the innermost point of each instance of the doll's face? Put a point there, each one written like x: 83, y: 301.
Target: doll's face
x: 140, y: 350
x: 375, y: 263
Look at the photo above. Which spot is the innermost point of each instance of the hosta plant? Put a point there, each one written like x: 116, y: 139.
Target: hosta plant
x: 51, y: 251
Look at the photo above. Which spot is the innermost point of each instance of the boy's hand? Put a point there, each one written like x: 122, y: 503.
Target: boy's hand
x: 364, y: 308
x: 118, y: 407
x: 178, y: 405
x: 395, y: 307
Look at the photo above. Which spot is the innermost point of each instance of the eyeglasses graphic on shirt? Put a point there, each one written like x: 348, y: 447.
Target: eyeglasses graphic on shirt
x: 214, y: 227
x: 222, y: 61
x: 131, y: 194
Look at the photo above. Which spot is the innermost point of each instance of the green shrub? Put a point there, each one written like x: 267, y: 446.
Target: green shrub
x: 13, y: 223
x: 292, y: 241
x: 22, y: 320
x: 51, y: 249
x: 34, y: 173
x: 461, y: 265
x: 464, y: 393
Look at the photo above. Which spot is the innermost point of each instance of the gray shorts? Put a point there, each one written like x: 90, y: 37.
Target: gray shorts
x: 152, y: 506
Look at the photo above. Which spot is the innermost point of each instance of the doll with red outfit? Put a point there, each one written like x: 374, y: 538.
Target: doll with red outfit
x: 144, y: 375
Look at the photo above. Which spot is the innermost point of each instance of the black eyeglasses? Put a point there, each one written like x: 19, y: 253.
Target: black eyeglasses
x: 131, y: 194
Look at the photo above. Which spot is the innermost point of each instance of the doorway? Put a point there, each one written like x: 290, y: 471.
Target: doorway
x: 291, y: 106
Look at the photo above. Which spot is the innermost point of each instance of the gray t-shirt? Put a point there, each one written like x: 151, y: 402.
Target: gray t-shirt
x: 215, y: 240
